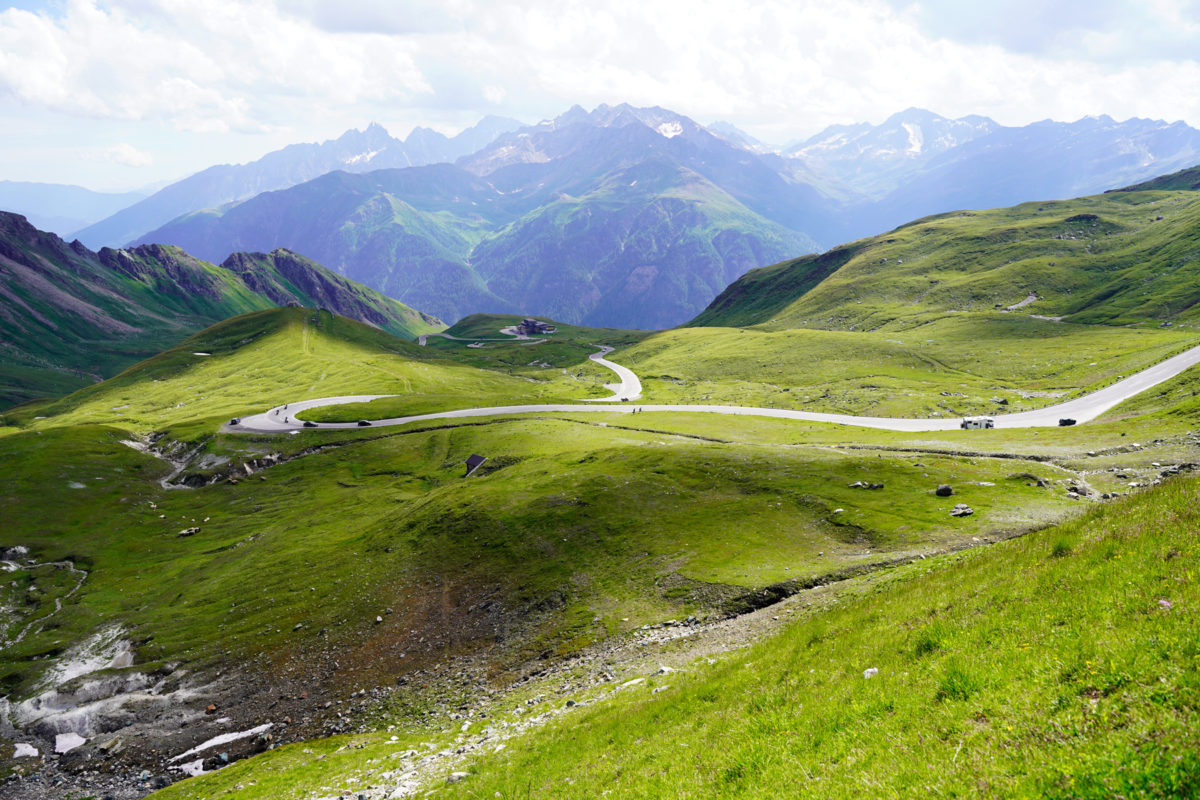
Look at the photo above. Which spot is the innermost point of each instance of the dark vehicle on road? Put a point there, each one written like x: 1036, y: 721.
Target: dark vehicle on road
x: 235, y: 421
x: 308, y: 423
x: 362, y: 423
x: 1065, y: 421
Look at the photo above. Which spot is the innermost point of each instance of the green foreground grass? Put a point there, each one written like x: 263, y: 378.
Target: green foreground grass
x: 582, y: 518
x: 1064, y: 664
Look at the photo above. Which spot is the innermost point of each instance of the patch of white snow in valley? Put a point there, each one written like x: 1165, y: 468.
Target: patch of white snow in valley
x: 23, y: 750
x: 670, y: 129
x: 103, y: 650
x: 191, y: 768
x: 66, y: 742
x: 224, y: 738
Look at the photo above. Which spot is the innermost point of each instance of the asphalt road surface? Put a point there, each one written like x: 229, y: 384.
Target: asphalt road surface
x: 282, y: 419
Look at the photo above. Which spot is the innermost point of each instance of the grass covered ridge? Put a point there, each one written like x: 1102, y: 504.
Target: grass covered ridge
x: 1119, y: 258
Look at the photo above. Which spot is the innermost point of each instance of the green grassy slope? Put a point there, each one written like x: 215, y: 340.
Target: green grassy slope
x: 754, y: 513
x: 950, y: 365
x: 949, y: 315
x: 1060, y: 665
x: 269, y: 358
x: 1185, y: 179
x: 1118, y: 258
x: 578, y: 529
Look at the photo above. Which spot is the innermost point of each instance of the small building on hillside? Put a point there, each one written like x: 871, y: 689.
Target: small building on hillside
x: 530, y: 327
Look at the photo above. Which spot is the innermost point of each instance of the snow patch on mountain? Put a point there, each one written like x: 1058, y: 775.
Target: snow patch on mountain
x: 362, y: 158
x: 670, y: 129
x: 915, y: 138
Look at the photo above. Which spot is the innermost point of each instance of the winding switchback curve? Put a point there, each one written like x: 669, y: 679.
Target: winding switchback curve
x: 282, y: 419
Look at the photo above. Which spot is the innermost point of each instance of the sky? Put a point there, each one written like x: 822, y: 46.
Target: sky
x: 119, y: 94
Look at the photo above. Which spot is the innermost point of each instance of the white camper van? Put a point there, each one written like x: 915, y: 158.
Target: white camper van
x: 970, y: 423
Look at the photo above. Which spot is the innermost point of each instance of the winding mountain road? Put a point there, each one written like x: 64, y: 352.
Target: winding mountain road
x: 282, y: 419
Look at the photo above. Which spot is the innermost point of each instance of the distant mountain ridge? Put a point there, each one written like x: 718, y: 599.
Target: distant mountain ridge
x: 637, y: 217
x: 353, y: 151
x: 875, y: 159
x: 62, y: 208
x: 621, y: 216
x: 71, y: 315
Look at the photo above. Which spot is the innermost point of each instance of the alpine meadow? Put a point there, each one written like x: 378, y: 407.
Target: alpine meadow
x: 618, y: 455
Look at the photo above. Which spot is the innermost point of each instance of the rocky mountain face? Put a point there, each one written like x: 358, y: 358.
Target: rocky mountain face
x: 625, y: 217
x: 72, y: 316
x: 354, y: 151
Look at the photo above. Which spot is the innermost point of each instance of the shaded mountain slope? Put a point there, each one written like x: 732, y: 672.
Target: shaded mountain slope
x: 72, y: 316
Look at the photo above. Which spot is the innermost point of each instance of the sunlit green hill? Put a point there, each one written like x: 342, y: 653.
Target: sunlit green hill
x: 1118, y: 258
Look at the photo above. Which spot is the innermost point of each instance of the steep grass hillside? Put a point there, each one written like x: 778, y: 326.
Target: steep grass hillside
x: 1062, y: 665
x: 1185, y: 179
x: 949, y: 365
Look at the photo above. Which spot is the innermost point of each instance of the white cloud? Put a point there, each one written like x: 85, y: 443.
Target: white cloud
x: 122, y: 153
x: 780, y: 65
x: 127, y: 154
x: 306, y: 69
x: 215, y: 66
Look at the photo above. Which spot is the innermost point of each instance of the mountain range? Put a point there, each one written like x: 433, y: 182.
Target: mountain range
x: 354, y: 151
x: 622, y: 216
x: 72, y: 316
